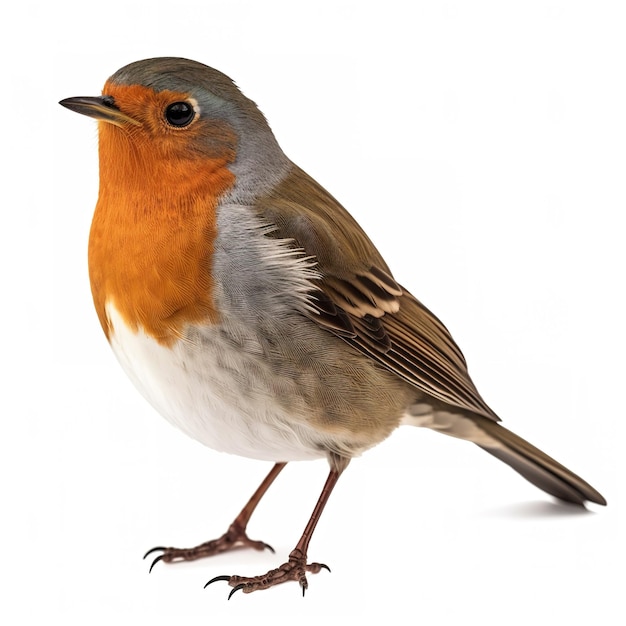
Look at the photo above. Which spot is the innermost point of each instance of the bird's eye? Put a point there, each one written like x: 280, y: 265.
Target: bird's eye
x: 179, y: 114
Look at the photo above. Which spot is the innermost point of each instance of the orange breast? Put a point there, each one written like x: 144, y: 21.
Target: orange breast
x: 153, y: 232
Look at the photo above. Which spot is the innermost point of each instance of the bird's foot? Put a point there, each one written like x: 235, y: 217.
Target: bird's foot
x: 234, y: 538
x: 295, y: 569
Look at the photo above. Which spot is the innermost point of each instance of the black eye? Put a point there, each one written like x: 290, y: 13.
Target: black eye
x: 179, y: 114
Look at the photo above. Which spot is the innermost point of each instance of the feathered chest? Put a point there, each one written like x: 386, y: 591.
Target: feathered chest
x: 230, y: 382
x: 151, y: 248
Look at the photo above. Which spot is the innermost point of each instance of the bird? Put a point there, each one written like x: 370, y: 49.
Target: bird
x: 253, y: 312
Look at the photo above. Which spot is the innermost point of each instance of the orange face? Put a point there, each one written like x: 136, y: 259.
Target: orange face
x: 152, y: 235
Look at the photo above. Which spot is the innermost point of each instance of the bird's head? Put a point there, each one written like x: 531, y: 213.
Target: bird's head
x: 164, y: 119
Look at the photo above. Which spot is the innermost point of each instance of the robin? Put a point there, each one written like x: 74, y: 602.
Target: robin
x: 252, y: 311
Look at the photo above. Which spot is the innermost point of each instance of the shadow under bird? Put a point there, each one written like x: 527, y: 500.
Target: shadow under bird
x: 252, y: 311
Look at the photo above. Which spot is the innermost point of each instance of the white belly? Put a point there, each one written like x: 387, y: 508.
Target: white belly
x: 218, y: 393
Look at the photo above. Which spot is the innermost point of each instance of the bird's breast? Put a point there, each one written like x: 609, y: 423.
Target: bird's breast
x: 151, y: 248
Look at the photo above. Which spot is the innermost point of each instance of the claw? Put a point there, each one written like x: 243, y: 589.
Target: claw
x: 216, y: 579
x: 268, y: 547
x: 153, y: 550
x: 237, y: 588
x: 158, y: 558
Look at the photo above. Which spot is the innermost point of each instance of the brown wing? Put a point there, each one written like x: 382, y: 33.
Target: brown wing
x: 358, y: 300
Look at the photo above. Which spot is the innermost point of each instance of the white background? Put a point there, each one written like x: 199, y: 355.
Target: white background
x: 483, y: 147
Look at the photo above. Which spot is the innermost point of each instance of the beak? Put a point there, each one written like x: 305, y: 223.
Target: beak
x: 100, y: 108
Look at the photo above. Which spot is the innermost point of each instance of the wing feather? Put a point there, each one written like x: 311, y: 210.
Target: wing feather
x: 357, y: 299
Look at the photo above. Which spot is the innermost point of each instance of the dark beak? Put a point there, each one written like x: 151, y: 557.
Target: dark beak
x: 101, y: 108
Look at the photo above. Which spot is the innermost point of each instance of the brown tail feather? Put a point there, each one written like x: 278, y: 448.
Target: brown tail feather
x: 536, y: 466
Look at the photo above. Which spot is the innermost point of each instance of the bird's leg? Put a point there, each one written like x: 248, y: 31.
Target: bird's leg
x: 234, y: 537
x: 296, y: 567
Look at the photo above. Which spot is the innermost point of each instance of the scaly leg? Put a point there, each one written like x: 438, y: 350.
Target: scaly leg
x: 234, y: 537
x: 297, y: 566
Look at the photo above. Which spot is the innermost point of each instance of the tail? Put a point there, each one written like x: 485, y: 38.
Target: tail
x: 533, y: 464
x: 536, y: 466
